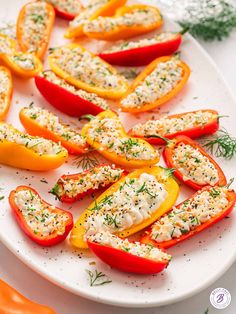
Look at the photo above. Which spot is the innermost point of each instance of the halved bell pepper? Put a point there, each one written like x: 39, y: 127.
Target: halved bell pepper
x: 158, y: 83
x: 43, y: 223
x: 92, y: 11
x: 192, y: 164
x: 143, y: 51
x: 23, y: 151
x: 13, y: 302
x: 131, y: 257
x: 178, y: 230
x: 192, y: 124
x: 6, y: 90
x: 84, y: 70
x: 73, y: 187
x: 41, y: 122
x: 111, y: 220
x: 106, y: 134
x: 125, y: 23
x: 66, y: 9
x: 65, y: 97
x: 34, y: 27
x: 23, y: 64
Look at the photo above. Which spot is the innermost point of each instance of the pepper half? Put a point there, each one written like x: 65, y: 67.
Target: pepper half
x: 41, y: 122
x: 131, y: 257
x: 144, y: 95
x: 67, y: 9
x: 100, y: 78
x: 23, y: 151
x: 13, y: 302
x: 106, y: 134
x: 92, y: 11
x: 6, y: 91
x: 43, y: 223
x: 23, y: 64
x: 34, y: 27
x: 142, y: 52
x: 198, y: 123
x: 112, y: 28
x: 183, y: 210
x: 73, y: 187
x: 161, y: 175
x: 185, y: 156
x: 67, y: 98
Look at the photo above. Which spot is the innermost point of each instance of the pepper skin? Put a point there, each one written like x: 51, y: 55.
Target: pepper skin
x: 66, y: 15
x: 142, y: 55
x: 231, y: 196
x: 106, y: 10
x: 23, y: 157
x: 6, y: 95
x: 13, y: 302
x: 124, y: 31
x: 125, y: 261
x: 64, y: 100
x: 209, y: 128
x: 77, y: 237
x: 168, y: 153
x: 41, y: 47
x: 112, y: 156
x: 56, y: 236
x: 162, y: 100
x: 112, y: 93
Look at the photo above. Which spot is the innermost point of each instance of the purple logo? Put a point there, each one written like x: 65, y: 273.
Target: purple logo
x: 220, y: 298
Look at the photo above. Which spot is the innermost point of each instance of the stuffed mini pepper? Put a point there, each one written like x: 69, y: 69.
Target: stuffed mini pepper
x: 6, y: 89
x: 66, y: 9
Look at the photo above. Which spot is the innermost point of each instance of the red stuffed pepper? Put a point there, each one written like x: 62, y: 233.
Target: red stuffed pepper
x: 66, y: 9
x: 202, y: 210
x: 43, y: 223
x: 70, y: 188
x: 192, y: 124
x: 143, y: 51
x: 192, y: 164
x: 127, y: 256
x: 69, y: 99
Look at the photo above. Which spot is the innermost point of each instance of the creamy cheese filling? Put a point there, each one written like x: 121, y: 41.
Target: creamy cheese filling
x: 126, y: 45
x: 138, y: 17
x: 190, y: 214
x: 157, y: 84
x: 87, y: 13
x: 25, y: 61
x: 194, y: 166
x: 51, y: 122
x: 170, y: 125
x: 93, y: 179
x: 70, y: 6
x: 135, y: 248
x: 4, y: 89
x: 91, y: 97
x: 133, y: 203
x: 40, y: 218
x: 87, y: 68
x: 5, y: 46
x: 35, y: 25
x: 107, y: 132
x: 38, y: 144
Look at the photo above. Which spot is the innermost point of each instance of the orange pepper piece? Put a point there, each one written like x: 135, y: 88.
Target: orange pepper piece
x: 6, y: 93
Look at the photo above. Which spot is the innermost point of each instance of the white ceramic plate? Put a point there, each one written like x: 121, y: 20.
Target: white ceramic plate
x: 196, y: 263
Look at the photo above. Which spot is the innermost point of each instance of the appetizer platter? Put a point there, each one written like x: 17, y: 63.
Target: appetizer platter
x: 114, y: 182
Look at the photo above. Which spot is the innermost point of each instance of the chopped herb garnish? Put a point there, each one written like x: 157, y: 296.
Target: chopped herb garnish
x: 97, y: 278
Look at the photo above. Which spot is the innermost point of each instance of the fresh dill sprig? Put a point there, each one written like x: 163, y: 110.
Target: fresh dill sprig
x: 86, y: 161
x: 209, y: 19
x: 97, y: 278
x: 221, y: 145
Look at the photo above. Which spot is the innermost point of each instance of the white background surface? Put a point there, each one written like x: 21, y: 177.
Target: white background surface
x: 32, y: 285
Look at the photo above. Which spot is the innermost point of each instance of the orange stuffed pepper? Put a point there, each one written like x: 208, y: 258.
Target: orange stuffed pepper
x: 128, y: 22
x: 6, y: 89
x: 34, y: 27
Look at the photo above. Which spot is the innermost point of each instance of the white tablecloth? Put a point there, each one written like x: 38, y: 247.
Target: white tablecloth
x: 36, y: 288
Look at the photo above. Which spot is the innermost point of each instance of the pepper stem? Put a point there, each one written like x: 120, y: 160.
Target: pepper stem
x: 184, y: 30
x: 160, y: 137
x: 230, y: 182
x: 89, y: 117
